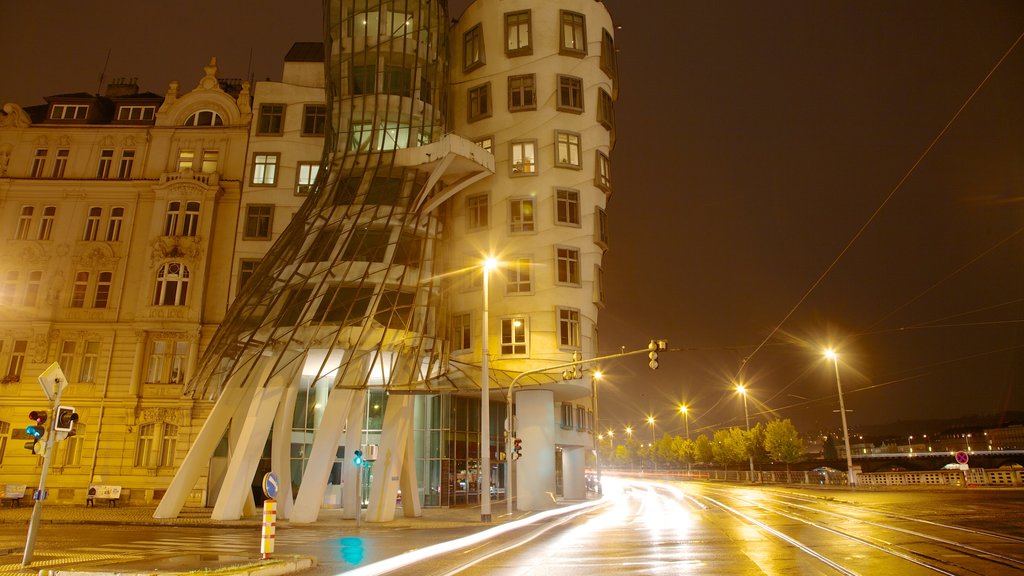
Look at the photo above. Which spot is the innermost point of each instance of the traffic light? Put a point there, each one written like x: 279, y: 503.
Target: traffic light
x: 357, y: 457
x: 36, y: 430
x: 517, y: 448
x: 654, y: 347
x: 66, y: 418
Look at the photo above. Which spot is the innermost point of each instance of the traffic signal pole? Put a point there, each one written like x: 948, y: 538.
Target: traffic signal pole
x: 37, y: 508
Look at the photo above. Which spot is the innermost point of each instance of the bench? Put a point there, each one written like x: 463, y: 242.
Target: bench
x: 12, y: 493
x: 102, y: 492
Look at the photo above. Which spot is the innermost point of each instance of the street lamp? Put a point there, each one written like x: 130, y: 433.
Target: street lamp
x: 831, y: 355
x: 485, y: 403
x: 686, y: 418
x: 746, y: 414
x: 650, y: 420
x: 629, y: 432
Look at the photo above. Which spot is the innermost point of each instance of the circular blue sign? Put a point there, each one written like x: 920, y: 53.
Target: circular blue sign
x: 270, y: 484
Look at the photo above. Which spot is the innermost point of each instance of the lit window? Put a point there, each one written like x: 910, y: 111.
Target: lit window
x: 603, y: 176
x: 102, y: 298
x: 462, y: 332
x: 513, y: 336
x: 568, y: 328
x: 517, y: 33
x: 574, y: 34
x: 106, y: 161
x: 521, y: 215
x: 39, y: 163
x: 204, y: 118
x: 393, y: 136
x: 210, y: 161
x: 264, y: 169
x: 479, y: 102
x: 92, y: 224
x: 24, y: 223
x: 114, y: 224
x: 361, y: 137
x: 124, y: 169
x: 524, y: 158
x: 567, y: 262
x: 601, y: 227
x: 46, y: 223
x: 259, y: 220
x: 567, y: 206
x: 314, y: 119
x: 477, y: 211
x: 60, y: 163
x: 186, y: 160
x: 522, y: 94
x: 271, y: 119
x: 171, y: 285
x: 570, y: 94
x: 305, y: 177
x: 473, y: 48
x: 517, y: 276
x: 567, y: 150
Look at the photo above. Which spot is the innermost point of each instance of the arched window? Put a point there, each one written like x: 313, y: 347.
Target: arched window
x: 171, y: 285
x: 204, y: 118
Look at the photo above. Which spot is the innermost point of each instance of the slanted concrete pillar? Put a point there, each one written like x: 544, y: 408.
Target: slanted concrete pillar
x: 387, y: 470
x: 281, y: 448
x: 412, y: 502
x: 322, y: 456
x: 535, y: 471
x: 574, y: 482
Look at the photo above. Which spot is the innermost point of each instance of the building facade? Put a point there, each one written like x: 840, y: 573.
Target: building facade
x: 340, y: 305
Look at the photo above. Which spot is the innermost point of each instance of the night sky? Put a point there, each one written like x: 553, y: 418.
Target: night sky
x: 761, y: 146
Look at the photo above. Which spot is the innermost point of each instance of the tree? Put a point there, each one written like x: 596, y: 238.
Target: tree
x: 703, y: 450
x: 730, y: 446
x: 828, y: 449
x: 755, y: 444
x: 783, y: 443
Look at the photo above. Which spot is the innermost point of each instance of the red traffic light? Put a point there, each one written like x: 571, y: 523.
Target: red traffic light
x: 38, y: 415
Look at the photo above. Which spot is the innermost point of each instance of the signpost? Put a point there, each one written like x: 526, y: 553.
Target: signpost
x: 53, y: 382
x: 962, y: 459
x: 269, y: 532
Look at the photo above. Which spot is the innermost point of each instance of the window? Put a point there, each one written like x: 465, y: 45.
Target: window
x: 5, y: 430
x: 168, y: 445
x: 204, y: 118
x: 172, y: 217
x: 102, y: 297
x: 17, y: 362
x: 210, y: 161
x: 522, y: 93
x: 67, y: 356
x: 513, y: 336
x: 9, y: 288
x: 114, y: 224
x: 24, y: 223
x: 603, y: 176
x: 186, y: 160
x: 567, y: 262
x: 79, y: 289
x: 574, y: 34
x: 60, y: 163
x: 360, y: 137
x: 473, y: 48
x: 259, y: 220
x: 305, y: 177
x: 570, y: 94
x: 367, y: 245
x: 144, y: 457
x: 566, y: 412
x: 189, y: 223
x: 605, y: 112
x: 106, y: 161
x: 486, y: 143
x: 364, y: 79
x: 480, y: 102
x: 567, y: 206
x: 124, y: 169
x: 167, y: 361
x: 90, y: 362
x: 524, y: 158
x: 397, y: 80
x: 567, y: 150
x: 601, y: 227
x: 517, y: 276
x: 246, y: 269
x: 462, y: 332
x: 264, y: 169
x: 392, y: 136
x: 156, y: 446
x: 569, y: 328
x: 69, y: 451
x: 598, y: 285
x: 478, y: 208
x: 383, y: 190
x: 521, y: 215
x: 92, y: 224
x: 39, y: 163
x: 35, y: 280
x: 136, y: 112
x: 46, y: 223
x: 581, y: 419
x: 608, y: 55
x: 171, y: 285
x: 314, y: 120
x: 69, y: 111
x: 517, y: 33
x: 271, y: 119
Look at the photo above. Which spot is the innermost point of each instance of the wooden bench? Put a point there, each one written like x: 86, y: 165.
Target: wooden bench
x: 12, y: 493
x: 102, y: 492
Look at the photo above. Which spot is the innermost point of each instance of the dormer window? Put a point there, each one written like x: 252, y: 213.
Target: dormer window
x: 69, y: 111
x: 204, y: 118
x: 136, y: 113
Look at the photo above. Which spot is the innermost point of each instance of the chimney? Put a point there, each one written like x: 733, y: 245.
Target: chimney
x: 119, y: 87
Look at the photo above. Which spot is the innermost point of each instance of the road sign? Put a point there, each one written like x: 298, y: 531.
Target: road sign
x: 961, y: 457
x: 270, y: 485
x: 51, y: 379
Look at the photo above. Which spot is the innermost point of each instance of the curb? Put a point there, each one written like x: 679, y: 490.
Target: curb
x: 276, y: 567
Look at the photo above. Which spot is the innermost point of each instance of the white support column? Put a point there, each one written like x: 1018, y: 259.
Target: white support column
x: 202, y: 449
x: 244, y: 461
x: 234, y: 435
x: 322, y: 456
x: 353, y: 440
x: 412, y: 501
x: 535, y: 471
x: 387, y: 469
x: 574, y: 483
x: 280, y: 450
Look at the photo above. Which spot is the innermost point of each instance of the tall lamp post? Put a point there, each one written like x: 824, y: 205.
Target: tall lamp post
x: 485, y: 403
x: 746, y: 414
x: 686, y: 418
x: 831, y: 355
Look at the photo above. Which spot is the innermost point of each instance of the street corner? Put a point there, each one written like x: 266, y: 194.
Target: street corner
x: 197, y: 565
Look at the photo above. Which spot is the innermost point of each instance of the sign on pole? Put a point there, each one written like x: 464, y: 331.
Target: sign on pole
x: 51, y: 379
x: 270, y: 485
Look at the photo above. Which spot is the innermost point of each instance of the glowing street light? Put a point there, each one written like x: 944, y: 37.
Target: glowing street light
x: 629, y: 431
x: 742, y: 390
x: 686, y: 418
x: 489, y: 264
x: 650, y: 420
x: 831, y: 355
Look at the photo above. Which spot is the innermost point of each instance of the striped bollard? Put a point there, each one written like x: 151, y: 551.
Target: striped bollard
x: 269, y: 528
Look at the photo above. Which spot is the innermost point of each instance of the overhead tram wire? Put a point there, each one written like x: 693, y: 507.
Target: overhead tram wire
x: 892, y: 193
